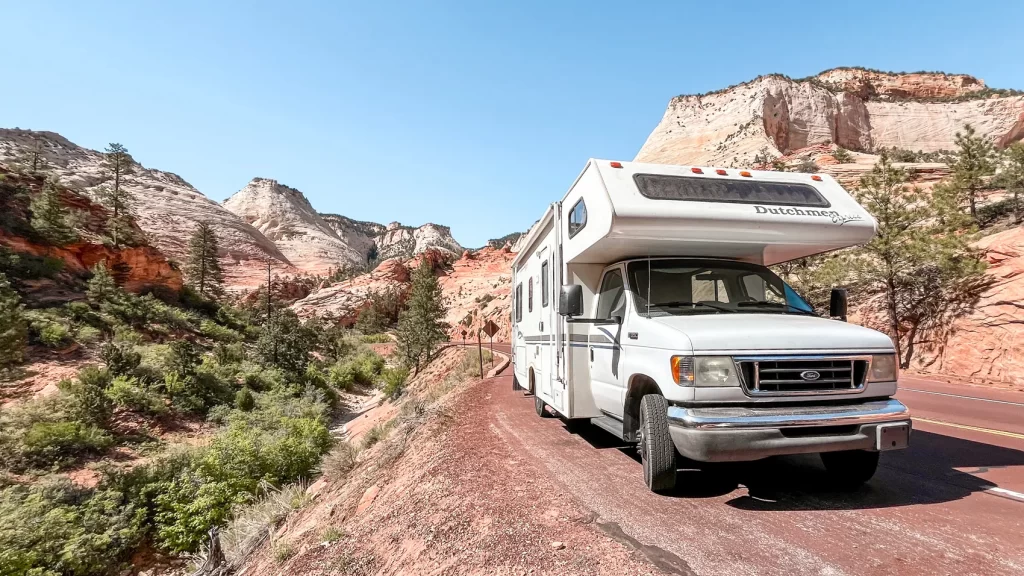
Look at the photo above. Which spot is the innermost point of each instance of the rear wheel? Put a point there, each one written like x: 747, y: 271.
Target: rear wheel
x: 657, y: 451
x: 515, y: 383
x: 540, y: 407
x: 850, y: 469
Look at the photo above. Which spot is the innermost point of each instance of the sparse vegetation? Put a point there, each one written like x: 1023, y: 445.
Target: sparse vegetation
x: 842, y: 155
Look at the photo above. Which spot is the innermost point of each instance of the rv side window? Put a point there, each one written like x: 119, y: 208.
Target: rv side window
x: 577, y: 217
x: 529, y: 295
x: 519, y: 302
x: 544, y: 284
x: 663, y: 187
x: 612, y: 301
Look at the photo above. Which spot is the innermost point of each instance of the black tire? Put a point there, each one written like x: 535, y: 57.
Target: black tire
x: 540, y: 407
x: 515, y: 383
x: 850, y: 469
x: 657, y: 452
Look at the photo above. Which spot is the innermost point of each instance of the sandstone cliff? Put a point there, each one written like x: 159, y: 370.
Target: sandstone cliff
x: 168, y: 207
x: 857, y: 109
x: 398, y: 241
x: 286, y: 218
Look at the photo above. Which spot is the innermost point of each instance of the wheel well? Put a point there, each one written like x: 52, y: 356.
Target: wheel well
x: 640, y: 385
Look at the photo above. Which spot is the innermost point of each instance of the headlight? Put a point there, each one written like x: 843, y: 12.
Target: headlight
x: 883, y: 368
x: 704, y: 371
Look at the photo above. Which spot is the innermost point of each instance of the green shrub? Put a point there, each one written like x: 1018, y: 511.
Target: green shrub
x: 375, y: 434
x: 27, y: 266
x: 182, y: 358
x: 375, y: 338
x: 121, y: 358
x: 342, y: 376
x: 128, y: 393
x: 197, y: 392
x: 219, y: 333
x: 225, y: 354
x: 57, y: 442
x: 283, y: 551
x: 842, y: 155
x: 286, y: 343
x: 244, y: 400
x: 49, y: 329
x: 368, y: 366
x: 56, y: 528
x: 87, y: 335
x: 88, y: 401
x: 394, y: 381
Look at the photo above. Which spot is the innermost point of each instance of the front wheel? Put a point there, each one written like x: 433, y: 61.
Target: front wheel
x: 850, y: 468
x: 657, y: 452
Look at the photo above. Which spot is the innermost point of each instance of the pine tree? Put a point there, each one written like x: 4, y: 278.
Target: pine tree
x: 917, y: 260
x: 117, y: 165
x: 974, y: 162
x: 13, y: 328
x: 420, y: 325
x: 1012, y: 177
x: 203, y: 268
x: 31, y: 160
x: 49, y: 216
x: 102, y: 288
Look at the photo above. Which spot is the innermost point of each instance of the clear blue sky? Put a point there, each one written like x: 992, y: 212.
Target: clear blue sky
x: 470, y: 114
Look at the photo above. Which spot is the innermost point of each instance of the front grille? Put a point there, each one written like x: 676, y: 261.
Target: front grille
x: 796, y: 376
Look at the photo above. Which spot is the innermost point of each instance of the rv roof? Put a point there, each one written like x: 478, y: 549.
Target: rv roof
x: 635, y: 209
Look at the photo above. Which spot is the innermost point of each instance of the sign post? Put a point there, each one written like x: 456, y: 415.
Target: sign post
x: 491, y: 329
x: 480, y: 351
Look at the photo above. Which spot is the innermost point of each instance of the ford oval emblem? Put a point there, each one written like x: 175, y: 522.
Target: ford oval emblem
x: 810, y: 375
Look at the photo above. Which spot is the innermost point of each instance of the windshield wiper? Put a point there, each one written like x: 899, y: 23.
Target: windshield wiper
x: 682, y: 303
x: 788, y: 307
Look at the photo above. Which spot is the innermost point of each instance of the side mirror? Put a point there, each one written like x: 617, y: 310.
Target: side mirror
x: 838, y: 304
x: 570, y: 300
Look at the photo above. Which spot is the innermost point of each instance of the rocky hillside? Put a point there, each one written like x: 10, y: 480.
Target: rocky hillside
x: 264, y: 222
x: 286, y: 218
x: 168, y: 207
x: 476, y: 287
x: 857, y: 109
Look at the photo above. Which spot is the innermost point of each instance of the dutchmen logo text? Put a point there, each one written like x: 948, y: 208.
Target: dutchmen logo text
x: 836, y: 217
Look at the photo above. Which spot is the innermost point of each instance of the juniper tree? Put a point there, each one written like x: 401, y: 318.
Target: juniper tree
x: 974, y: 162
x: 101, y: 287
x: 203, y: 268
x: 420, y: 326
x: 917, y: 261
x: 50, y: 217
x: 118, y: 200
x: 13, y: 328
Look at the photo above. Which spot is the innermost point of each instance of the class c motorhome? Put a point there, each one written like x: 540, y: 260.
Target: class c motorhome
x: 643, y: 304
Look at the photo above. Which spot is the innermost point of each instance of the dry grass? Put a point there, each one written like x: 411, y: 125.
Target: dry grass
x: 254, y: 524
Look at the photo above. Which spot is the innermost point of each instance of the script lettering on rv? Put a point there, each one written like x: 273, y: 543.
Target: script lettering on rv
x: 836, y: 217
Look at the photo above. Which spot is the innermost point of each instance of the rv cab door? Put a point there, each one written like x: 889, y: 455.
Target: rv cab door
x: 605, y: 350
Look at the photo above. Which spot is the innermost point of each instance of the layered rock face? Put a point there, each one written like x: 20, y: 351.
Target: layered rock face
x: 168, y: 207
x: 476, y: 288
x: 286, y: 218
x: 398, y: 241
x: 856, y: 109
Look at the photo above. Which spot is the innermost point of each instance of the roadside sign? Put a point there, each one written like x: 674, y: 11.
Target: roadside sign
x: 491, y: 328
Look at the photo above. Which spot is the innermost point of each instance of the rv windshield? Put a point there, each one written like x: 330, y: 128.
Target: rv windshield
x: 689, y: 286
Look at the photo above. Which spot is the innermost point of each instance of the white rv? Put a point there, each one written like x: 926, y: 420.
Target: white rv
x: 643, y: 304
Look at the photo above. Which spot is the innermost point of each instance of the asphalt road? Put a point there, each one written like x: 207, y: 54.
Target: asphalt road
x: 953, y: 503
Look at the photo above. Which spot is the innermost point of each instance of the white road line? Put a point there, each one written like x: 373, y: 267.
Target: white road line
x: 1021, y: 404
x: 1006, y: 493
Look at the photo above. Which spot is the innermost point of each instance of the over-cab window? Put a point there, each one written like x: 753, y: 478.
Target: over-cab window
x: 664, y: 187
x: 529, y: 295
x: 577, y: 217
x: 544, y: 284
x: 519, y: 302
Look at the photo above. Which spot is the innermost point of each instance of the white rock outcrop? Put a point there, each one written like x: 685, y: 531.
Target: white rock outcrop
x: 853, y: 108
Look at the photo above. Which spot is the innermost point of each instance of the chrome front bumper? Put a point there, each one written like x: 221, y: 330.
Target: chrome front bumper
x: 751, y: 433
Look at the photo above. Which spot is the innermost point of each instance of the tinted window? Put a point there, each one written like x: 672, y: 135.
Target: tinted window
x: 661, y: 187
x: 544, y: 284
x: 529, y: 295
x: 612, y: 301
x: 577, y: 217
